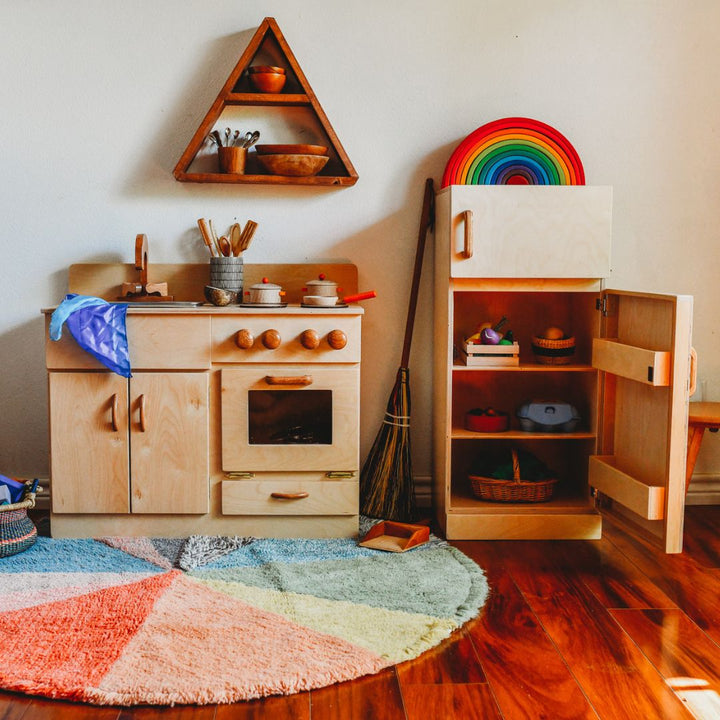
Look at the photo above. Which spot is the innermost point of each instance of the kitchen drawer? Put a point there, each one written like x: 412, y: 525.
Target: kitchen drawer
x: 156, y: 342
x: 290, y: 329
x: 495, y: 231
x: 304, y: 497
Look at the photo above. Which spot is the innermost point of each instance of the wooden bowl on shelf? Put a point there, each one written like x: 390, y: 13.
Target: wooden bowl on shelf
x: 291, y: 149
x: 292, y: 165
x: 267, y: 78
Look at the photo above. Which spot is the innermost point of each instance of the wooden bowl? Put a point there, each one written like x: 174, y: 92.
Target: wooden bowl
x: 291, y: 149
x: 268, y: 82
x: 266, y: 69
x: 293, y: 165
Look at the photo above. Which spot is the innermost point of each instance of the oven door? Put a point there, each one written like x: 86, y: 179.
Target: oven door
x: 290, y: 418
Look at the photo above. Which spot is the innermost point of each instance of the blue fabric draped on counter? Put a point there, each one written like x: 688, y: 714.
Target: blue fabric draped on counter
x: 99, y: 327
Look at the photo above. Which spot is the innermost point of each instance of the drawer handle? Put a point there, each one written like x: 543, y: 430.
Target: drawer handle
x: 239, y: 475
x: 289, y: 496
x: 114, y: 412
x: 143, y: 414
x: 288, y: 380
x: 339, y: 474
x: 467, y: 217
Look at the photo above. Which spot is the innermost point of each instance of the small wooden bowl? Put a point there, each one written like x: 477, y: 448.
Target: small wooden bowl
x: 268, y: 82
x: 293, y: 165
x: 266, y: 69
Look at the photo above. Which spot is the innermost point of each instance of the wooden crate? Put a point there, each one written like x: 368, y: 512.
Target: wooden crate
x: 490, y: 355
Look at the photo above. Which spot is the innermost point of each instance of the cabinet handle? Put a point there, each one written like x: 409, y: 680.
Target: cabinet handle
x: 114, y: 412
x: 467, y: 217
x: 339, y: 474
x: 289, y: 496
x: 693, y: 372
x: 288, y: 380
x: 143, y: 416
x: 239, y: 475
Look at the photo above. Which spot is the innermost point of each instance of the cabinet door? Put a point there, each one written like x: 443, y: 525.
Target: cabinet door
x: 644, y: 356
x: 169, y: 442
x: 88, y: 442
x: 527, y: 231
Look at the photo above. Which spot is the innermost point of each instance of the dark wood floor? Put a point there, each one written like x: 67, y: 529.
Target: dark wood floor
x: 610, y: 629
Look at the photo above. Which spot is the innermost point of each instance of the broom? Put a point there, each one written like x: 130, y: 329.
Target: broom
x: 386, y: 483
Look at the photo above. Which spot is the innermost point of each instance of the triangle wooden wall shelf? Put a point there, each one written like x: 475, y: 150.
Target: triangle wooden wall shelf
x: 268, y: 41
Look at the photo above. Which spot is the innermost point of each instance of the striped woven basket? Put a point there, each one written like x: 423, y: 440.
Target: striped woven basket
x: 553, y: 352
x: 17, y: 530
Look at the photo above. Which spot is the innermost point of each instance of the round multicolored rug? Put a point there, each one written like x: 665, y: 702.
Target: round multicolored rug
x: 126, y: 621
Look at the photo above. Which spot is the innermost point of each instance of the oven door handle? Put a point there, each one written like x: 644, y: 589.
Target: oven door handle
x: 289, y: 496
x: 288, y: 379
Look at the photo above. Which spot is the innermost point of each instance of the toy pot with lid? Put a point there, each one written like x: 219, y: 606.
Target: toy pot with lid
x: 322, y: 287
x: 265, y: 293
x: 324, y: 293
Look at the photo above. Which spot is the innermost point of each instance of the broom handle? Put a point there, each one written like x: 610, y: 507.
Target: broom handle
x: 426, y: 221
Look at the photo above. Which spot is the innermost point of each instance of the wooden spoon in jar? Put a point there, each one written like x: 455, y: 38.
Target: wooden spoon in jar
x: 225, y: 246
x: 235, y: 239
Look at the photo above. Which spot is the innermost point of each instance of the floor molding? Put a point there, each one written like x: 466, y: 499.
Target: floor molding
x: 704, y: 489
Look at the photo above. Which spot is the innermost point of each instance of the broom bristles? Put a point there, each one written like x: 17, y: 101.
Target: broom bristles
x: 386, y: 486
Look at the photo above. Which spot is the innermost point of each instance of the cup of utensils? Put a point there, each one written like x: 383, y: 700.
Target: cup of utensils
x: 226, y: 260
x: 233, y: 244
x: 233, y: 148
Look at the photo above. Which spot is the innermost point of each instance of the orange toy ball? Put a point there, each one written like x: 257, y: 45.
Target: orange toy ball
x: 553, y: 333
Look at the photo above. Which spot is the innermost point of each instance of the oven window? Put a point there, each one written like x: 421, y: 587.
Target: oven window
x: 290, y: 417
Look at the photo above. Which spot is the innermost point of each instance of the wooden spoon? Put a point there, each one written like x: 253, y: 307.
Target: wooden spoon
x: 235, y: 239
x: 225, y: 246
x: 247, y: 234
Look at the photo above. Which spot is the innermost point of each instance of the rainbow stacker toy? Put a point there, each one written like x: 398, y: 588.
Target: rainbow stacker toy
x: 514, y: 151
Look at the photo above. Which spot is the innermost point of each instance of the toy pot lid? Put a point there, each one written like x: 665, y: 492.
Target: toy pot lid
x: 321, y: 282
x: 265, y: 285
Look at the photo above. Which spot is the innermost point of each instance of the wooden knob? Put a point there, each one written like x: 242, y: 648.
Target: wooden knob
x: 271, y: 339
x: 337, y: 339
x: 310, y: 339
x: 244, y: 339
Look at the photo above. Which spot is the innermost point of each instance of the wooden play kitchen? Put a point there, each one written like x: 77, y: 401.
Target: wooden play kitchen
x: 539, y: 256
x: 236, y: 420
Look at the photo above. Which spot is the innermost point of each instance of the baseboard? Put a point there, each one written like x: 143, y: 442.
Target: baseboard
x: 704, y: 489
x: 423, y: 491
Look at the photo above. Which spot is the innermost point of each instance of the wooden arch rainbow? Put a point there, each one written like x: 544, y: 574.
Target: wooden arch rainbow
x: 514, y: 151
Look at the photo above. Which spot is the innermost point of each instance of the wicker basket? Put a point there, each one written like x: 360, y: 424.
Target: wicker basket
x: 17, y: 530
x: 553, y: 352
x: 515, y: 490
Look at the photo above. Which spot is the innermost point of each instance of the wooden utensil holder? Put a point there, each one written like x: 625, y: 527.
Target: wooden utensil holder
x: 232, y: 160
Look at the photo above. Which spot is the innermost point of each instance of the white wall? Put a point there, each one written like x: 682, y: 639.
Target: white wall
x: 101, y: 98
